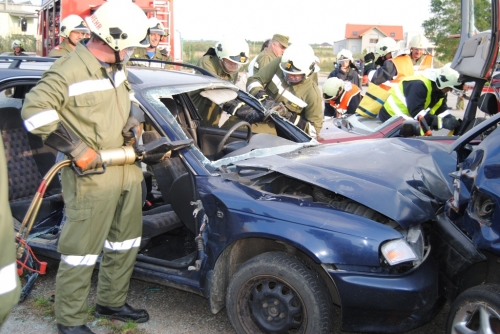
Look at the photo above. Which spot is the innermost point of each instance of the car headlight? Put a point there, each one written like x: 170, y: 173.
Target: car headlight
x: 398, y: 251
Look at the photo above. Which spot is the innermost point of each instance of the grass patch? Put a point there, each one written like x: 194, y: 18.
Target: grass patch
x: 129, y: 327
x: 45, y: 306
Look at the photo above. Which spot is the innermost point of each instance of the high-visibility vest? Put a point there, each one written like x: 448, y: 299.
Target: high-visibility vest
x: 404, y: 68
x: 425, y: 64
x: 376, y: 95
x: 342, y: 103
x: 396, y: 102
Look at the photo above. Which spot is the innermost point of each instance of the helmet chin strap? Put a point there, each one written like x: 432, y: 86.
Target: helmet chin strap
x: 118, y: 62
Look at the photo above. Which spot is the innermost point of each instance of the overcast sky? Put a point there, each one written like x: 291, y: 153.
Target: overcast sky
x: 311, y: 21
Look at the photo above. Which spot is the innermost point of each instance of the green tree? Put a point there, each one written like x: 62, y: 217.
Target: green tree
x: 446, y: 22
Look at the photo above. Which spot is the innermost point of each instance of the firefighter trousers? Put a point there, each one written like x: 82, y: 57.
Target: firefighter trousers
x: 104, y: 213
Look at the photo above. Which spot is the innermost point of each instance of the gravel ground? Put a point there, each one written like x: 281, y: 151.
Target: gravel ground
x: 171, y: 312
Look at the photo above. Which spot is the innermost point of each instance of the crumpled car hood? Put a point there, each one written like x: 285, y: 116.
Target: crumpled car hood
x: 404, y: 179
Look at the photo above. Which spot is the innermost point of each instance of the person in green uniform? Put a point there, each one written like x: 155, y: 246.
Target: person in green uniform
x: 156, y: 33
x: 73, y: 30
x: 225, y: 60
x: 10, y: 287
x: 82, y: 105
x: 287, y: 80
x: 277, y: 46
x: 18, y: 49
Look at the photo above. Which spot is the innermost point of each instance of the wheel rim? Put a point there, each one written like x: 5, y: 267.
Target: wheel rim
x: 269, y: 304
x: 477, y: 318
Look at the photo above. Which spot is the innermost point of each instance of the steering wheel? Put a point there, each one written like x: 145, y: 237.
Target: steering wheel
x: 222, y: 145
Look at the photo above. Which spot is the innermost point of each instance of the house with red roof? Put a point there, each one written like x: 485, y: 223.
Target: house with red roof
x: 363, y: 37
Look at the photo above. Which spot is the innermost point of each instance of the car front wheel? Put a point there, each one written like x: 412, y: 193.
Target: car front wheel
x: 477, y: 310
x: 276, y: 292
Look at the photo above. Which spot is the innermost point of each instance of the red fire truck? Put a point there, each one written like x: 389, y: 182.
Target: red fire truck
x: 54, y: 11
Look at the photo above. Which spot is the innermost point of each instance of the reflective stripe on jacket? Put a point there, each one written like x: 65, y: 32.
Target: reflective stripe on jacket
x: 396, y: 102
x: 303, y: 99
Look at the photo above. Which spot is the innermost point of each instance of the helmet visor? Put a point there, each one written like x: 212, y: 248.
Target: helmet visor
x: 229, y: 66
x: 294, y: 79
x: 240, y: 59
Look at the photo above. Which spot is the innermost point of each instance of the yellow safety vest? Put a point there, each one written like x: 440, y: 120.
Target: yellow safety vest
x: 396, y: 102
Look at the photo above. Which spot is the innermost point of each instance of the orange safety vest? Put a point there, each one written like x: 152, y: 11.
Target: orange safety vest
x: 425, y: 64
x: 345, y: 99
x: 404, y: 68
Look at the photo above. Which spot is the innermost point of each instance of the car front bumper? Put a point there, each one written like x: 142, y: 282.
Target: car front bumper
x: 388, y: 303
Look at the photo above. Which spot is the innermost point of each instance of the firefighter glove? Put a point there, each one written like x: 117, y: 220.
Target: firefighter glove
x: 379, y: 61
x: 64, y: 140
x: 369, y: 56
x: 85, y: 157
x: 450, y: 122
x: 243, y: 111
x: 131, y: 131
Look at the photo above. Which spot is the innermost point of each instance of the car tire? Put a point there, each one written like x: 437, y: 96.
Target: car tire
x: 276, y: 292
x: 476, y: 310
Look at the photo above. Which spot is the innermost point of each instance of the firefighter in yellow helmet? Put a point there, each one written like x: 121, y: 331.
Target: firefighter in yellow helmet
x: 82, y: 105
x: 342, y: 96
x: 73, y: 30
x: 424, y: 95
x: 10, y: 288
x: 17, y: 48
x: 287, y: 80
x: 156, y: 33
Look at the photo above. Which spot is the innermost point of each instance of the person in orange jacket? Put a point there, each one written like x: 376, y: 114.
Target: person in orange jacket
x: 342, y: 96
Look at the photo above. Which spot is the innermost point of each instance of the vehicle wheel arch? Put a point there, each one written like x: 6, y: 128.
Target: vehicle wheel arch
x: 243, y: 250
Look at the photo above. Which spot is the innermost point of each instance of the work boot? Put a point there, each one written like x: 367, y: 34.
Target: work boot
x: 82, y: 329
x: 123, y: 313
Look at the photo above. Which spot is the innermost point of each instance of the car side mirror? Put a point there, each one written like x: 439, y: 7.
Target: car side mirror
x: 410, y: 128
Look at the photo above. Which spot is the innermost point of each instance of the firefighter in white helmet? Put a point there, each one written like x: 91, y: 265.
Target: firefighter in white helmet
x: 425, y: 95
x: 346, y: 69
x: 81, y: 105
x: 73, y: 30
x: 288, y: 80
x: 17, y: 48
x: 156, y: 33
x: 418, y: 53
x: 391, y: 70
x: 225, y: 60
x: 342, y: 96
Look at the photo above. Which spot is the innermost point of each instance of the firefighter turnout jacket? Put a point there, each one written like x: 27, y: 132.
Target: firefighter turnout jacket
x: 141, y: 53
x: 303, y: 99
x: 62, y: 49
x: 411, y: 96
x: 263, y: 58
x: 93, y: 100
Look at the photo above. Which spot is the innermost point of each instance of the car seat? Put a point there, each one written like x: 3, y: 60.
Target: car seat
x: 28, y: 159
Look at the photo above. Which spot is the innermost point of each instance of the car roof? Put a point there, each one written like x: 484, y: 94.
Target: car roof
x: 180, y: 81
